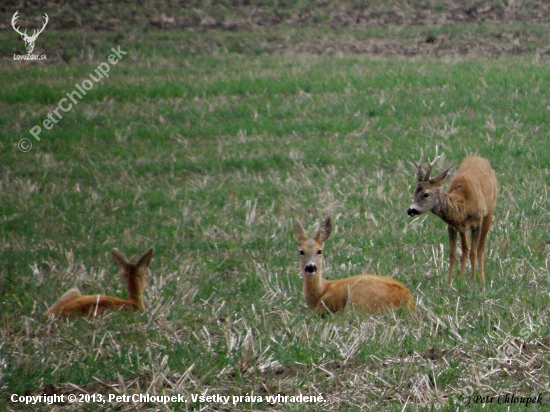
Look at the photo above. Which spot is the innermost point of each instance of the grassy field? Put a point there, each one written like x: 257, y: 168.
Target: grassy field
x: 207, y: 140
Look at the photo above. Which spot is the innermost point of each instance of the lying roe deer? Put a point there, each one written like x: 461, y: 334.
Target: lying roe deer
x: 468, y: 204
x: 370, y: 293
x: 75, y: 303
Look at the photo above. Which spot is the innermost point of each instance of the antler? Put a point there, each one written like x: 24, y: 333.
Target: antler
x: 431, y: 164
x: 419, y: 171
x: 35, y: 34
x: 43, y: 26
x: 424, y: 176
x: 14, y: 18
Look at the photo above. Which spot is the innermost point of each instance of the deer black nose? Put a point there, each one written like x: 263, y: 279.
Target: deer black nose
x: 412, y: 211
x: 311, y: 268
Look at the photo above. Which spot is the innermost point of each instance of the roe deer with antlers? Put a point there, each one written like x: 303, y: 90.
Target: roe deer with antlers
x: 468, y: 204
x: 369, y: 293
x: 75, y: 303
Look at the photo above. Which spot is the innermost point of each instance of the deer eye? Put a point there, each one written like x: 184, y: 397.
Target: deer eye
x: 319, y: 252
x: 301, y: 252
x: 426, y: 195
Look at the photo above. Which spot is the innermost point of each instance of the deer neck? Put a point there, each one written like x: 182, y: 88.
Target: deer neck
x: 314, y: 287
x: 448, y: 209
x: 134, y: 290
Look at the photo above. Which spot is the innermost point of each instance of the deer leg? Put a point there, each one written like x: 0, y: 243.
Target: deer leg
x: 464, y: 246
x: 481, y: 246
x: 476, y: 234
x: 452, y: 251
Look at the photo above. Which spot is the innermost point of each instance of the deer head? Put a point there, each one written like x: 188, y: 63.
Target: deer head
x: 135, y: 274
x: 311, y: 249
x: 29, y: 40
x: 424, y: 196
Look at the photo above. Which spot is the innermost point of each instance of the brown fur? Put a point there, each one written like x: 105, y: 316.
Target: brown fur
x: 73, y: 302
x: 369, y: 293
x: 468, y: 205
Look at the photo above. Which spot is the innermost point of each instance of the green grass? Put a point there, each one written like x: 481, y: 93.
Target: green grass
x: 209, y: 156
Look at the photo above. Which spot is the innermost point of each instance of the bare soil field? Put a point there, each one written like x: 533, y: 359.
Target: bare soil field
x: 386, y: 28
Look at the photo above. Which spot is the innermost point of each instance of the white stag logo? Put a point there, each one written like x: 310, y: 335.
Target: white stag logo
x: 29, y: 40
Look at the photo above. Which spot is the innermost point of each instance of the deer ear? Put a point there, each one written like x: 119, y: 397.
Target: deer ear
x: 324, y: 231
x: 145, y: 259
x: 299, y: 231
x: 441, y: 177
x: 120, y: 260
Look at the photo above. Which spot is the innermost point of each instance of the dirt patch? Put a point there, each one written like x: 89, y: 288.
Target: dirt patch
x: 244, y: 14
x: 391, y: 28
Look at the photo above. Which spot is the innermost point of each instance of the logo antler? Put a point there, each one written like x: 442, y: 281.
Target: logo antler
x: 29, y: 40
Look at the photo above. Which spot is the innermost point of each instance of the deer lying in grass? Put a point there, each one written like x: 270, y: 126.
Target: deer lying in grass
x: 468, y: 204
x: 75, y: 303
x: 369, y: 293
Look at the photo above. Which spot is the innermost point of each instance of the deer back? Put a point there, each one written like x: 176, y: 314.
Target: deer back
x: 474, y: 187
x: 89, y: 305
x: 371, y: 293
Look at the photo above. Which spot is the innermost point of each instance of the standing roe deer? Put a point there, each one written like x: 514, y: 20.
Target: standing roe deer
x: 73, y: 302
x: 370, y: 293
x: 468, y: 204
